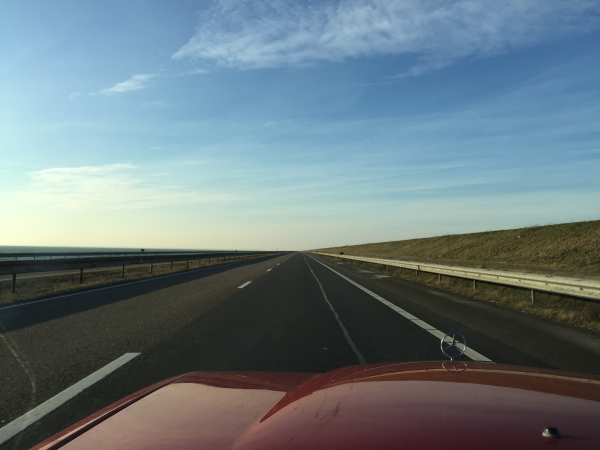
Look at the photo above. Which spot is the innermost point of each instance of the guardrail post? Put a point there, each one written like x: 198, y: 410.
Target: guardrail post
x: 13, y: 285
x: 81, y: 275
x: 439, y: 277
x: 187, y: 264
x: 474, y: 285
x: 532, y: 297
x: 171, y: 265
x: 417, y: 273
x: 151, y: 267
x: 123, y: 272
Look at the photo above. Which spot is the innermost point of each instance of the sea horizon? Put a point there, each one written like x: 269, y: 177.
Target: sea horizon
x: 65, y: 249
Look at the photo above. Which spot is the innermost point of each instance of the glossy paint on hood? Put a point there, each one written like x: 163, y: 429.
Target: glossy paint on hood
x: 384, y: 406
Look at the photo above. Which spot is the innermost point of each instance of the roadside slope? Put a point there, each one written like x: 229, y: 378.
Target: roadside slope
x: 566, y: 248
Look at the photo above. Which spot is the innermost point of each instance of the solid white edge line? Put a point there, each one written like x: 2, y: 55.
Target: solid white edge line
x: 475, y: 356
x: 244, y: 285
x: 359, y: 355
x: 112, y: 286
x: 19, y: 424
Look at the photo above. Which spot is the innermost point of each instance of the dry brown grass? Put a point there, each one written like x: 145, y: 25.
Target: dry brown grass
x: 36, y: 288
x: 570, y: 249
x: 559, y: 308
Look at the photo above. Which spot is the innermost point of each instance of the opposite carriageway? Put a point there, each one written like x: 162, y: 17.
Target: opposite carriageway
x: 21, y: 263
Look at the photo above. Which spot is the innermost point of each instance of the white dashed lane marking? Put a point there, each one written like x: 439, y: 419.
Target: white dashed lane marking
x: 244, y: 285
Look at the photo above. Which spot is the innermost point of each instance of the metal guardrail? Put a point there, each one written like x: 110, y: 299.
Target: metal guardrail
x: 575, y: 287
x: 12, y: 267
x: 65, y: 255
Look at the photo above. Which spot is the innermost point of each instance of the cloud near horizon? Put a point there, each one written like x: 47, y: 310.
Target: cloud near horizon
x: 256, y: 34
x: 105, y: 187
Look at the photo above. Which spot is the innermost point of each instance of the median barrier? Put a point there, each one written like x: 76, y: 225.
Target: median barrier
x: 44, y: 262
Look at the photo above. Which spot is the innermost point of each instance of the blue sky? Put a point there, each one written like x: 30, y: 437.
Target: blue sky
x: 289, y: 124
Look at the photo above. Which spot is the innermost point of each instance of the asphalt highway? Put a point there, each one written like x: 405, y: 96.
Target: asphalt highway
x: 294, y: 312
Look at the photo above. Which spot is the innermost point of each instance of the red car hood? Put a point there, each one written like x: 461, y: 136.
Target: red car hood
x: 378, y: 406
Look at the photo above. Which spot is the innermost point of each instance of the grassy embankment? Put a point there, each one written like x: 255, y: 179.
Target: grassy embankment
x: 569, y: 249
x: 35, y: 288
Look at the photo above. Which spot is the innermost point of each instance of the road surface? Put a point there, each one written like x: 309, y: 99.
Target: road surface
x: 294, y: 312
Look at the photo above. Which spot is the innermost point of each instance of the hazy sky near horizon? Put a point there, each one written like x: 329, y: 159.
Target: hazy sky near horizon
x: 294, y: 124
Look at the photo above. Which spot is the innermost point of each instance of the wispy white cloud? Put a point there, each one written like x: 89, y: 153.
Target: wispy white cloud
x: 258, y: 34
x: 143, y: 81
x: 105, y: 187
x: 135, y: 83
x: 74, y: 95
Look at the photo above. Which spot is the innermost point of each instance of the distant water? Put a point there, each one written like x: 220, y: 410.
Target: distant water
x: 28, y: 249
x: 4, y: 249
